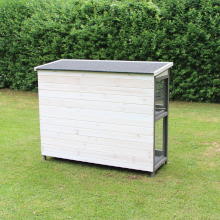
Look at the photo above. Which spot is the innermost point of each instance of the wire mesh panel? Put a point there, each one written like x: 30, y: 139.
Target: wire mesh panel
x: 161, y: 96
x: 160, y: 137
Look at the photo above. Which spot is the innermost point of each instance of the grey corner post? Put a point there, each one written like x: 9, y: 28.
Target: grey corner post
x: 166, y: 120
x: 44, y: 158
x: 153, y: 174
x: 165, y: 144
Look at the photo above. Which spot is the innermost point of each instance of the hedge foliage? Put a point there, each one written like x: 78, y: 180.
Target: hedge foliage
x: 183, y: 31
x: 192, y: 42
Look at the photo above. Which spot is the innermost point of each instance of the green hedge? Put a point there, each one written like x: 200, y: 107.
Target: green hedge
x: 12, y: 15
x: 75, y: 30
x: 192, y: 42
x: 185, y: 32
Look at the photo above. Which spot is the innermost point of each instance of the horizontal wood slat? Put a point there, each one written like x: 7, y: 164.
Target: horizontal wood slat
x: 91, y: 81
x: 52, y: 143
x: 97, y: 126
x: 98, y: 154
x: 97, y: 89
x: 132, y: 119
x: 97, y: 105
x: 107, y: 75
x: 98, y: 133
x: 101, y: 161
x: 97, y: 97
x: 98, y: 141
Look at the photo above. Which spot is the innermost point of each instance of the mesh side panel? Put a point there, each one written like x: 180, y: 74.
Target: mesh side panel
x: 161, y: 96
x: 159, y: 137
x: 164, y: 130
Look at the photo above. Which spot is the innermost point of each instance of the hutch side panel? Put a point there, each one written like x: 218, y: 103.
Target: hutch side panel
x: 103, y: 118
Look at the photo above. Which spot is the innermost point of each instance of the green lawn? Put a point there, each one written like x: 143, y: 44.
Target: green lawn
x: 187, y: 188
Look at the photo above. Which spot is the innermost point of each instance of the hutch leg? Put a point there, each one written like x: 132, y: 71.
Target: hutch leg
x: 166, y: 162
x: 153, y: 174
x: 44, y: 157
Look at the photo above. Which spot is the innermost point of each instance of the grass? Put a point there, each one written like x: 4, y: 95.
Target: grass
x: 187, y: 188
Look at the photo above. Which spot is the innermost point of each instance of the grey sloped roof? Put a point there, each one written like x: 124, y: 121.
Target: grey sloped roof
x: 115, y: 66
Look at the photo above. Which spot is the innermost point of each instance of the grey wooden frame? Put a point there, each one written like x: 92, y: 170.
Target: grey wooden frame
x: 163, y: 116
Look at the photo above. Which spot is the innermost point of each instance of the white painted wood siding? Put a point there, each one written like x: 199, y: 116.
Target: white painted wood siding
x: 103, y: 118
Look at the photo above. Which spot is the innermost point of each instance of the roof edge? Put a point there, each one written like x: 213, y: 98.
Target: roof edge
x: 162, y: 69
x: 36, y: 67
x: 95, y: 71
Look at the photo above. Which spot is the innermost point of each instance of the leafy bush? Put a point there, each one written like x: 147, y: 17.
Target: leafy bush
x: 183, y: 31
x: 12, y: 14
x: 76, y: 29
x: 192, y: 41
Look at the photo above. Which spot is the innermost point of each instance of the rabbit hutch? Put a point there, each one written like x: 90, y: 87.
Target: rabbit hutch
x: 105, y: 112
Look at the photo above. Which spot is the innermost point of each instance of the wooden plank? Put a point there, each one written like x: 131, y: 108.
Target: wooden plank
x: 131, y: 119
x: 97, y: 89
x: 98, y: 154
x: 96, y: 97
x: 98, y: 133
x: 52, y: 144
x: 102, y: 161
x: 97, y: 105
x: 95, y: 81
x: 61, y: 149
x: 107, y: 75
x: 96, y: 140
x: 97, y: 126
x: 114, y: 157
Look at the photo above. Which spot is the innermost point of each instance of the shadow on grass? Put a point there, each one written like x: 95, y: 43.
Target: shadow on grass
x: 131, y: 174
x: 102, y: 167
